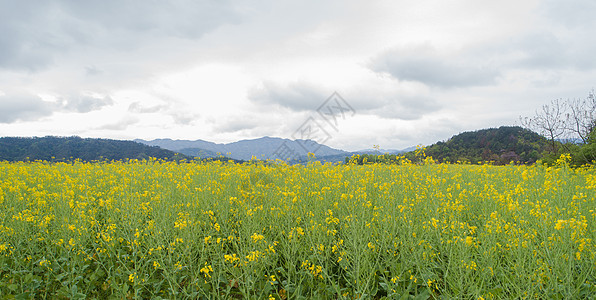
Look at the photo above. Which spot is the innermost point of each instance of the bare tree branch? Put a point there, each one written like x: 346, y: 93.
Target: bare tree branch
x: 581, y: 117
x: 569, y: 120
x: 549, y: 121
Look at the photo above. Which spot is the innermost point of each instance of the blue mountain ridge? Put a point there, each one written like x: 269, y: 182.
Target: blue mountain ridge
x: 260, y: 148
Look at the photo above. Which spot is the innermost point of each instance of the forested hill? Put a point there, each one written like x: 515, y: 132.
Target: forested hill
x: 69, y: 148
x: 500, y: 145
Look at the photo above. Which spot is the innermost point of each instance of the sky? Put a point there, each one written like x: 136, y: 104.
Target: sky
x: 398, y: 73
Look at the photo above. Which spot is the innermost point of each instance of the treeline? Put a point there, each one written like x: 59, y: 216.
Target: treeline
x: 569, y: 125
x: 577, y: 153
x: 498, y: 146
x: 51, y: 148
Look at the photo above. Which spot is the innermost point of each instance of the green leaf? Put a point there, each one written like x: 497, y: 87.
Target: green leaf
x: 24, y: 296
x: 423, y: 296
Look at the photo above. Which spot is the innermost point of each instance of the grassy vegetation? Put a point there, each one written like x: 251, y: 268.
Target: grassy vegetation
x: 151, y: 229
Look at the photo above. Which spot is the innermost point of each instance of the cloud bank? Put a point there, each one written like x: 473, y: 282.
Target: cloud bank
x: 414, y: 72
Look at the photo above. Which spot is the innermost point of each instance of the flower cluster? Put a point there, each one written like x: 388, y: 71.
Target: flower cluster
x: 157, y: 229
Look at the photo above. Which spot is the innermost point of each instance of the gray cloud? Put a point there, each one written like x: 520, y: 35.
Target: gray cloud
x: 183, y: 118
x: 297, y: 96
x: 540, y: 51
x: 18, y: 106
x: 34, y: 33
x: 424, y: 64
x: 22, y: 107
x: 92, y: 71
x: 550, y: 52
x: 548, y: 49
x: 391, y: 103
x: 381, y: 101
x: 84, y: 104
x: 137, y: 107
x: 24, y: 42
x: 184, y: 19
x: 574, y: 14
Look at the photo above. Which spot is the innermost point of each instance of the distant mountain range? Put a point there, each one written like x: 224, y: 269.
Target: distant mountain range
x: 261, y: 148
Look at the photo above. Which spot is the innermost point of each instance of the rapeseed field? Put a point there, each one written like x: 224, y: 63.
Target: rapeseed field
x: 155, y: 229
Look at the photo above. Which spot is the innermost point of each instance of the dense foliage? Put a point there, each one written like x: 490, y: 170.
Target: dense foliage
x: 581, y: 154
x: 70, y: 148
x: 500, y: 146
x: 154, y: 229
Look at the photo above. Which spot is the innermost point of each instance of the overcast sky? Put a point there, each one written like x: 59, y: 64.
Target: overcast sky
x: 412, y: 72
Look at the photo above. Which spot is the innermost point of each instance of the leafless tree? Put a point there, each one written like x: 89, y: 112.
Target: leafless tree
x: 581, y: 117
x: 549, y: 121
x: 570, y: 120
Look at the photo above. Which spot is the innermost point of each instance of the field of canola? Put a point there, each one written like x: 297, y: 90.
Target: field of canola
x: 152, y: 229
